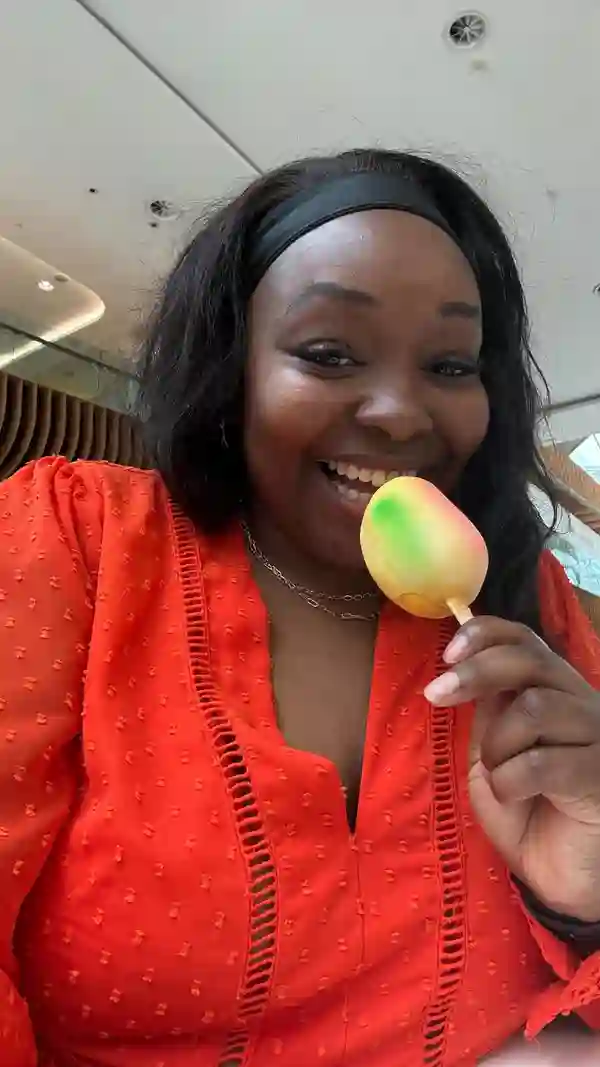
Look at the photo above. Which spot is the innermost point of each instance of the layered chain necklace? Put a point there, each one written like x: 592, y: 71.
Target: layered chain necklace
x: 321, y: 601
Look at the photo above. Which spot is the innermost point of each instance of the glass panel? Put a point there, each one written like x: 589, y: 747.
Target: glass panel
x: 69, y: 368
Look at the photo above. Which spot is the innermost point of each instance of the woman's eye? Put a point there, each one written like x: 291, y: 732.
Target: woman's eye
x: 455, y: 367
x: 326, y: 356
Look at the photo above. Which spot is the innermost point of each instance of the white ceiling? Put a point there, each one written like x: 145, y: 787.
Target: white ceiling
x: 36, y: 298
x: 78, y: 111
x: 185, y: 101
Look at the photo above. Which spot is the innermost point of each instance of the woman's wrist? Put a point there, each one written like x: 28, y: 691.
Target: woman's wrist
x: 566, y: 927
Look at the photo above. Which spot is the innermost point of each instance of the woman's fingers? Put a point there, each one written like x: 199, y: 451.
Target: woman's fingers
x: 569, y: 776
x: 485, y: 631
x: 491, y: 656
x: 539, y: 716
x: 500, y: 669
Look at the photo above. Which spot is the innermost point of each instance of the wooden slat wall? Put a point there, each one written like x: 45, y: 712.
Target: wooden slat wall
x: 579, y: 493
x: 36, y: 421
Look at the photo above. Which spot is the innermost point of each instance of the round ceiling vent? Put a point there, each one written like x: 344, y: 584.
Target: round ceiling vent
x: 467, y: 30
x: 164, y: 210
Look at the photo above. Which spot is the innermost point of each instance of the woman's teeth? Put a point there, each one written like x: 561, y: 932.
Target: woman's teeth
x: 360, y: 481
x: 376, y: 478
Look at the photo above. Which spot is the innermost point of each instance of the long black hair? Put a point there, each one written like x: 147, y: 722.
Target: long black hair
x: 193, y: 369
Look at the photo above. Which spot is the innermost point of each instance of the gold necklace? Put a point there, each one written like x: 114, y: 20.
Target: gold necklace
x: 310, y: 596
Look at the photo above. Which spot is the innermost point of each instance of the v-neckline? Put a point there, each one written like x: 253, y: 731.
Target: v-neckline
x: 228, y: 563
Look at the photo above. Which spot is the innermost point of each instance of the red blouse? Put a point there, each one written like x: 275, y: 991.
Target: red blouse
x: 180, y: 888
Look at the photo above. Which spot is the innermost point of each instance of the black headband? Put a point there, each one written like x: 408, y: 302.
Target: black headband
x: 364, y: 191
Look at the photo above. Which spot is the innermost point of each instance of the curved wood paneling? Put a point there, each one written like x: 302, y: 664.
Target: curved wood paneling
x: 36, y: 421
x: 15, y: 456
x: 12, y: 418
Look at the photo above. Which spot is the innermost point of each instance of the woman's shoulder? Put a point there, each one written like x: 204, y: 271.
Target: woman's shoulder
x: 53, y: 502
x: 558, y: 600
x: 52, y: 478
x: 565, y: 624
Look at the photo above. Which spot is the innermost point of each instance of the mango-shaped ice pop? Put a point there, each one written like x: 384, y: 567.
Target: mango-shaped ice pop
x: 422, y: 552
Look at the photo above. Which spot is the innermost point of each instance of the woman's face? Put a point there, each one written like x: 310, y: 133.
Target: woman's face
x: 363, y: 364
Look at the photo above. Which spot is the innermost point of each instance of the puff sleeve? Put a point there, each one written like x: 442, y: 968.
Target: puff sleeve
x: 48, y: 525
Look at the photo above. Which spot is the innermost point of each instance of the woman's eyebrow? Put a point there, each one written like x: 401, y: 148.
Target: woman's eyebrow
x: 460, y: 309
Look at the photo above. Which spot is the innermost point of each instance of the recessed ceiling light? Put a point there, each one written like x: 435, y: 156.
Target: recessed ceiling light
x: 45, y: 285
x: 467, y: 30
x: 596, y: 290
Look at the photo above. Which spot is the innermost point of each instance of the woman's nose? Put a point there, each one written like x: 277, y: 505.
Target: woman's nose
x: 400, y: 413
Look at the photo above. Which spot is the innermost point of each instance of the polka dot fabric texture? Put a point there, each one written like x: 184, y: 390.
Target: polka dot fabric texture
x: 179, y: 887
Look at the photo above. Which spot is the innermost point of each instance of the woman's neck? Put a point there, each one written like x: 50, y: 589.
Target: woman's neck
x: 302, y: 569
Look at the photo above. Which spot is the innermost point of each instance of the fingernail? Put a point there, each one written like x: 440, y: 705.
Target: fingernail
x: 441, y: 688
x: 456, y: 649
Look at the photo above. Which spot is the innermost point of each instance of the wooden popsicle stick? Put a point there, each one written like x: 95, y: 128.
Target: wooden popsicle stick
x: 462, y: 612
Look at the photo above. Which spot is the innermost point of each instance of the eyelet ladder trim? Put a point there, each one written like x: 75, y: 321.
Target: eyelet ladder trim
x: 452, y: 933
x: 256, y: 985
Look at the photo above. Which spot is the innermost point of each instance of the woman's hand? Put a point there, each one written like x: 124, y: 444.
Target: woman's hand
x: 534, y: 774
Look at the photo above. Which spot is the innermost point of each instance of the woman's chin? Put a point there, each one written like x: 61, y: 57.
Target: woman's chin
x: 331, y: 520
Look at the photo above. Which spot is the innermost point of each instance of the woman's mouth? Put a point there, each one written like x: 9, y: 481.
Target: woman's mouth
x: 357, y: 484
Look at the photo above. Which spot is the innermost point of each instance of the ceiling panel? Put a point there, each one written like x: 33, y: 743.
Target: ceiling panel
x: 40, y: 300
x: 518, y: 114
x: 286, y: 78
x: 79, y: 112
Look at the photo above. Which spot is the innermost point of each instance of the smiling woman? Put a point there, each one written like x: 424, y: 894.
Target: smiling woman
x: 441, y: 266
x: 337, y: 375
x: 251, y: 812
